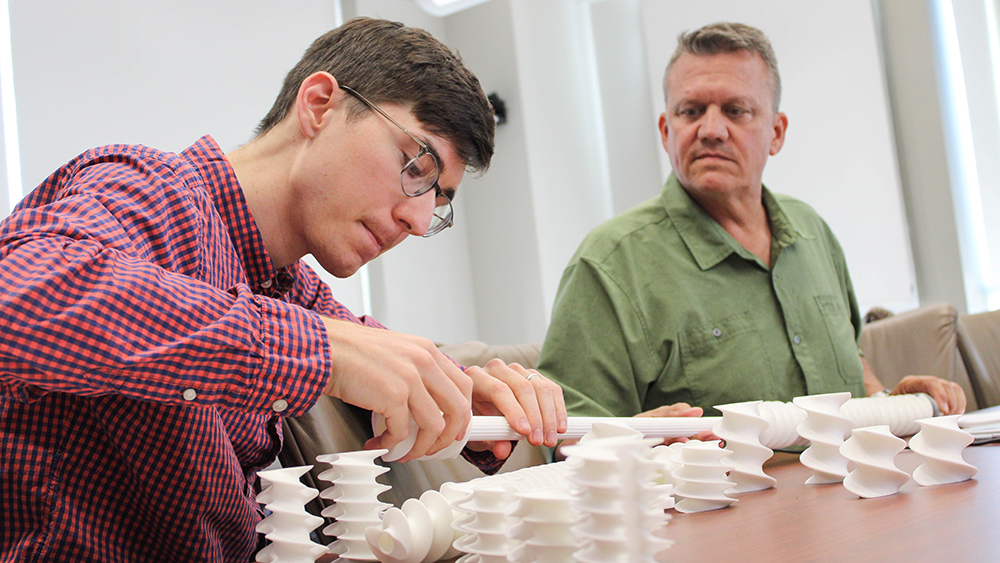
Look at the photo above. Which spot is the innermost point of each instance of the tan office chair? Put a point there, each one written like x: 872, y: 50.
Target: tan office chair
x: 924, y: 341
x: 333, y: 426
x: 980, y: 346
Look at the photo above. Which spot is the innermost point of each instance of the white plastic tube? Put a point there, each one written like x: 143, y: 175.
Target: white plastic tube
x: 491, y: 428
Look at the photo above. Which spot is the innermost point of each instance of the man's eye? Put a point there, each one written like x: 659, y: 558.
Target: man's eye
x: 414, y: 171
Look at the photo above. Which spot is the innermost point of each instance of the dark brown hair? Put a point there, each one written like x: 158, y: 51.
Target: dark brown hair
x: 389, y: 63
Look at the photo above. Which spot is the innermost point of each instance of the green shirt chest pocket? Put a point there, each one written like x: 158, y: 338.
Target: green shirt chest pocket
x: 725, y: 361
x: 842, y: 354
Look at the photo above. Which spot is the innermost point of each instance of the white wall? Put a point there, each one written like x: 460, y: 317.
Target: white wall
x: 581, y: 82
x: 162, y: 74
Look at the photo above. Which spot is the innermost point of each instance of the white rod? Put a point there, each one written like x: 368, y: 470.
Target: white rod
x: 487, y: 428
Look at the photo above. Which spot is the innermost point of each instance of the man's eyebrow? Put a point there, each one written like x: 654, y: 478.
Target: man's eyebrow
x: 433, y: 151
x: 449, y: 193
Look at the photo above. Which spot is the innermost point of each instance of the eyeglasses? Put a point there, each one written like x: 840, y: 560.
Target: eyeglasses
x: 419, y: 175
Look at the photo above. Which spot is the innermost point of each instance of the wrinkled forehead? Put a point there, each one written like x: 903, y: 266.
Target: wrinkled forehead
x: 741, y: 73
x: 734, y: 74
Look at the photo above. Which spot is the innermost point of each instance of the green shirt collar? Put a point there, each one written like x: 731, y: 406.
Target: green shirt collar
x: 708, y: 242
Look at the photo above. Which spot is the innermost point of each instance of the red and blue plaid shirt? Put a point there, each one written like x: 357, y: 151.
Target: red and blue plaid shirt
x: 147, y: 344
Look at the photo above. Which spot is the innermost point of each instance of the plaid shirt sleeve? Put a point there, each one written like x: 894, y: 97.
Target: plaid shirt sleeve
x: 103, y: 294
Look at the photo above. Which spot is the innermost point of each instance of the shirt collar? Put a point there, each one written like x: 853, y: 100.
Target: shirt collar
x: 224, y: 188
x: 707, y: 241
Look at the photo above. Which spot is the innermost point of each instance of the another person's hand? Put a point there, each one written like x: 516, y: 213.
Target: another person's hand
x: 680, y: 409
x: 948, y: 395
x: 531, y: 403
x: 398, y: 376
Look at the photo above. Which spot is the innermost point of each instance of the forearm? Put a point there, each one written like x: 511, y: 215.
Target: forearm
x: 92, y: 321
x: 872, y: 384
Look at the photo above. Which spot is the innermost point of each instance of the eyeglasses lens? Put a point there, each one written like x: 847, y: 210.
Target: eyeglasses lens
x: 420, y: 174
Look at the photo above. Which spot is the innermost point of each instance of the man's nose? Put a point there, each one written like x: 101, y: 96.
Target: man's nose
x: 416, y: 213
x: 714, y: 124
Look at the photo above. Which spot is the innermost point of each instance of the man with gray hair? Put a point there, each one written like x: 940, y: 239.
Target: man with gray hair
x: 717, y: 290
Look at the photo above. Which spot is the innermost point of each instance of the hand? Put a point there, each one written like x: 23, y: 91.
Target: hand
x: 948, y: 395
x: 680, y: 409
x: 399, y: 376
x: 534, y: 408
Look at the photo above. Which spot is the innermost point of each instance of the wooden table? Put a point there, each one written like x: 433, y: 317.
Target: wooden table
x: 795, y: 522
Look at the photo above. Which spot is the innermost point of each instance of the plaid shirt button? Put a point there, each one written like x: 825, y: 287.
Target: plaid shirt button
x: 265, y: 284
x: 190, y: 394
x: 279, y: 405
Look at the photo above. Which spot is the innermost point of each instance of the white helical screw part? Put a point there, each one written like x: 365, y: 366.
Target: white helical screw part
x: 899, y: 412
x: 288, y: 525
x: 873, y: 450
x: 702, y: 478
x: 941, y: 442
x: 783, y: 420
x: 356, y: 506
x: 825, y: 429
x: 741, y: 428
x: 405, y: 534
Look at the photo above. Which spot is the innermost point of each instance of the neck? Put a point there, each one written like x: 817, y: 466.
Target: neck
x: 743, y: 216
x: 263, y: 168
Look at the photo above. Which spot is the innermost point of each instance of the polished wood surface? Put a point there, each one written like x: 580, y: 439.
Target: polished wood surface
x: 795, y: 522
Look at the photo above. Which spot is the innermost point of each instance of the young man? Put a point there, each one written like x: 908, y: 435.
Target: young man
x: 718, y: 290
x: 156, y: 322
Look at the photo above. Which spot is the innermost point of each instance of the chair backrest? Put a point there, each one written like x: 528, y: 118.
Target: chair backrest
x: 980, y: 345
x: 924, y: 341
x: 333, y: 426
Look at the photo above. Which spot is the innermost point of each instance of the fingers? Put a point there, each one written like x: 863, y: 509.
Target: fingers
x: 948, y: 395
x: 676, y: 409
x: 453, y: 398
x: 954, y: 398
x: 532, y: 404
x: 550, y: 401
x: 400, y: 376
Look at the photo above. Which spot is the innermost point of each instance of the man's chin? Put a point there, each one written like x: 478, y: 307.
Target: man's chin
x: 713, y: 184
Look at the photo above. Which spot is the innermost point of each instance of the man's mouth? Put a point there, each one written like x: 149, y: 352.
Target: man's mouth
x: 712, y: 156
x: 378, y: 240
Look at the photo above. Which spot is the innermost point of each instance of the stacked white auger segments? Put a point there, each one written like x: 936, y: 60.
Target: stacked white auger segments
x: 940, y: 441
x: 696, y: 473
x: 288, y: 525
x: 543, y: 532
x: 825, y: 428
x: 619, y: 504
x: 701, y: 482
x: 356, y: 506
x: 484, y: 524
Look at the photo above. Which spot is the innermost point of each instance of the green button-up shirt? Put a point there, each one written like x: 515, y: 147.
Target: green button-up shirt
x: 661, y: 305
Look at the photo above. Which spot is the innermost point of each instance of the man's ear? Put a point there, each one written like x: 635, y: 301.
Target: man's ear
x: 662, y: 124
x: 780, y: 125
x: 318, y: 94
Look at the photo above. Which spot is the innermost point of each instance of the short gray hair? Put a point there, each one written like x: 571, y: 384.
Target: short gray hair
x: 724, y: 37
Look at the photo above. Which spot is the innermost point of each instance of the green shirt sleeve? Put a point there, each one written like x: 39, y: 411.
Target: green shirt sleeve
x: 595, y: 344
